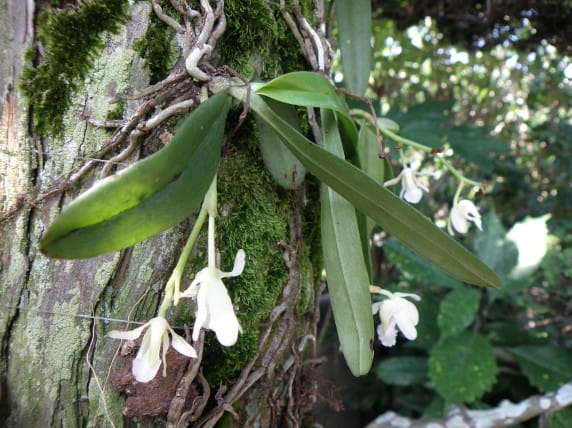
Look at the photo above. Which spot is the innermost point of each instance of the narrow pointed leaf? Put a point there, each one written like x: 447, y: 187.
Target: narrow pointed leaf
x: 146, y: 198
x: 346, y: 271
x: 391, y: 213
x: 354, y: 35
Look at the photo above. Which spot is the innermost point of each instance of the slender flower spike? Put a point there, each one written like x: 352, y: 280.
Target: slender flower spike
x: 394, y: 312
x: 411, y: 189
x: 461, y: 213
x: 214, y: 307
x: 147, y: 362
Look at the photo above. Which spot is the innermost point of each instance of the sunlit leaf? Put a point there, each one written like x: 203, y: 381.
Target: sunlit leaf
x: 304, y: 88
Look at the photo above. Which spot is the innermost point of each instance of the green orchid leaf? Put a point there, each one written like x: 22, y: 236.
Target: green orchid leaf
x: 346, y: 271
x: 302, y: 88
x: 283, y: 166
x: 148, y: 197
x: 414, y: 268
x: 354, y: 35
x: 391, y: 213
x: 307, y: 89
x: 368, y: 161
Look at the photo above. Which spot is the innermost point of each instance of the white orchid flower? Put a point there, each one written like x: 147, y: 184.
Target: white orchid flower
x: 394, y: 312
x: 147, y: 362
x: 411, y: 189
x: 461, y: 214
x: 214, y: 307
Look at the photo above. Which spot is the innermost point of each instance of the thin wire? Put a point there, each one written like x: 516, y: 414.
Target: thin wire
x: 81, y: 316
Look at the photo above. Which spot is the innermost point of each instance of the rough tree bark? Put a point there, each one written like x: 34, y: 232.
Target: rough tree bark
x: 57, y: 366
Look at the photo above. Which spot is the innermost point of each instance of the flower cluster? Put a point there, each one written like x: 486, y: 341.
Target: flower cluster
x: 461, y: 213
x: 214, y: 307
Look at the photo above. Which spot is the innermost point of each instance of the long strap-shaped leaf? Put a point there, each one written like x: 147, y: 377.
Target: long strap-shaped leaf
x: 354, y: 35
x: 146, y: 198
x: 346, y: 271
x: 391, y: 213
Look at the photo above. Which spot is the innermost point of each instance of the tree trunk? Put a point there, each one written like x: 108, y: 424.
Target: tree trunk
x: 57, y: 365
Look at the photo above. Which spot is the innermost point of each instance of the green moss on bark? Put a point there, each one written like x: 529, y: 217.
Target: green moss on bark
x: 69, y: 41
x: 157, y: 47
x: 257, y: 42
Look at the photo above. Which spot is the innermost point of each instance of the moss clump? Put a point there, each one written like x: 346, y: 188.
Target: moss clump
x: 156, y: 47
x: 257, y: 42
x: 70, y: 39
x: 117, y: 112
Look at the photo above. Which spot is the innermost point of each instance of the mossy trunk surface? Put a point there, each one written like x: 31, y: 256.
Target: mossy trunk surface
x: 57, y: 365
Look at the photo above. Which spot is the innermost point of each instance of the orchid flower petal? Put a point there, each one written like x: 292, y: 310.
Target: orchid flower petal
x: 153, y: 349
x: 239, y: 262
x: 142, y: 371
x: 129, y: 334
x: 394, y: 312
x: 461, y: 214
x: 182, y: 346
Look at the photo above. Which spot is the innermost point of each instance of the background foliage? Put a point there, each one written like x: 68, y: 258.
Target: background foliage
x: 495, y: 86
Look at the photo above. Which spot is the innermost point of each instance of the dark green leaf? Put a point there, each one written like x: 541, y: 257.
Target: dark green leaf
x: 561, y: 418
x: 547, y: 367
x: 424, y: 122
x: 283, y: 166
x: 457, y: 311
x: 475, y: 144
x: 414, y: 268
x: 402, y: 371
x: 493, y: 247
x: 463, y: 367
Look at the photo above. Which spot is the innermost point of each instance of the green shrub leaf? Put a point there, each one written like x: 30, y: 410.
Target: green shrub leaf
x: 457, y: 311
x: 403, y: 371
x: 463, y: 367
x: 546, y: 367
